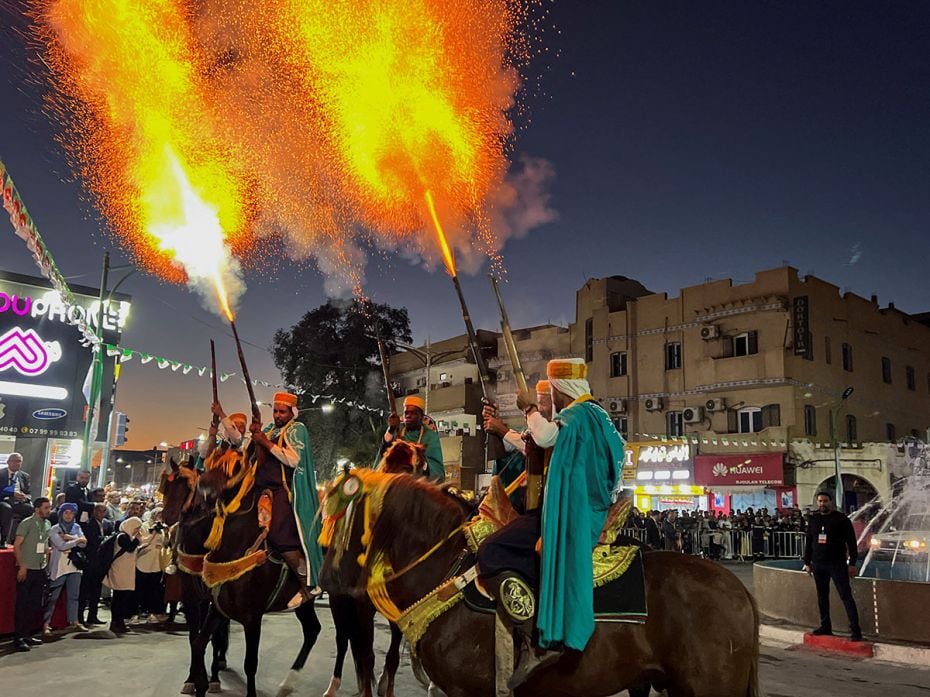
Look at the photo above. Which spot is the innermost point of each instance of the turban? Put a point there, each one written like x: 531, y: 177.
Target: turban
x: 68, y: 507
x: 239, y: 416
x: 569, y: 376
x: 285, y: 398
x: 414, y: 401
x: 542, y: 387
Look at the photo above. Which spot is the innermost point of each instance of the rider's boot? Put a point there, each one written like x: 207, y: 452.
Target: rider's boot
x: 296, y: 561
x: 516, y: 603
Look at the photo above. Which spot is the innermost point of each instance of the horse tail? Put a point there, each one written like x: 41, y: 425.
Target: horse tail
x: 754, y: 689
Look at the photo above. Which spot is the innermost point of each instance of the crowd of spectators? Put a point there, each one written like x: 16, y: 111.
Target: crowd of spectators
x: 711, y: 534
x: 100, y: 548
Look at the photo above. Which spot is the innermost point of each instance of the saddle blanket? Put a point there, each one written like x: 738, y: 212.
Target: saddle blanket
x: 621, y: 600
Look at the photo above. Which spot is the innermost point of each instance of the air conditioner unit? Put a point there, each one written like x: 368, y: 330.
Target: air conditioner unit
x: 618, y: 406
x: 692, y: 415
x: 710, y: 331
x: 421, y: 382
x: 654, y: 404
x: 719, y: 404
x: 445, y: 384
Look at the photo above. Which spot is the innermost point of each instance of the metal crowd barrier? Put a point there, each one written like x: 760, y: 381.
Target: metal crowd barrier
x: 739, y: 545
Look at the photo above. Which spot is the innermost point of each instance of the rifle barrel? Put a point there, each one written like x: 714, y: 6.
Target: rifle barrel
x: 509, y: 342
x: 256, y: 413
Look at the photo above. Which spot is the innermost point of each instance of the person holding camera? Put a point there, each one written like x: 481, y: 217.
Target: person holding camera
x: 67, y: 543
x: 150, y: 587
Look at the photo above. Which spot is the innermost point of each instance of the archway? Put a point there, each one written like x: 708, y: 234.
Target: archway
x: 857, y: 492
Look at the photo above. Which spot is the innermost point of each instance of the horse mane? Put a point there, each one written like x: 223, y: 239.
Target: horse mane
x: 414, y: 516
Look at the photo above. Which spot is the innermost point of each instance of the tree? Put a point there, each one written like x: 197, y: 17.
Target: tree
x: 333, y: 350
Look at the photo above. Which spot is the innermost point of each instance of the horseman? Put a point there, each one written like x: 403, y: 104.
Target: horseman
x: 512, y: 464
x: 551, y: 548
x: 231, y: 433
x: 289, y: 476
x: 414, y: 430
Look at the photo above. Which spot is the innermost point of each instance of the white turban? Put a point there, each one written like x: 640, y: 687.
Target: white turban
x: 569, y: 376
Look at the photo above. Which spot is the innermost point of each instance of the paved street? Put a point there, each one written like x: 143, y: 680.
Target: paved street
x: 154, y: 664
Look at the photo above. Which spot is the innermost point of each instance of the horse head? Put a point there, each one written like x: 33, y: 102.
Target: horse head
x: 375, y: 521
x: 178, y: 486
x: 403, y: 457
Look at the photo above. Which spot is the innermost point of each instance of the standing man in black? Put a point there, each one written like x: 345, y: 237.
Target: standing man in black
x: 95, y: 531
x: 14, y: 496
x: 78, y: 494
x: 831, y: 553
x: 653, y: 536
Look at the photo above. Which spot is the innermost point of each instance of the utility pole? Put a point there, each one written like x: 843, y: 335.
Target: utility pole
x: 834, y: 410
x: 96, y: 376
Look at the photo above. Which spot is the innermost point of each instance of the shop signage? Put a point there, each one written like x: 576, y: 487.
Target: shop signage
x: 43, y: 366
x: 716, y: 471
x: 802, y: 333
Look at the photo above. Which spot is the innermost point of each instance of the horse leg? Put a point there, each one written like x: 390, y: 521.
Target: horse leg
x: 391, y: 662
x: 362, y: 640
x: 253, y: 637
x: 198, y: 671
x: 342, y: 622
x: 220, y: 642
x: 310, y: 626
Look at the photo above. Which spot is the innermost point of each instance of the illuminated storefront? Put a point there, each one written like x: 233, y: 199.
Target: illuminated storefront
x: 738, y: 482
x: 43, y: 368
x: 662, y: 476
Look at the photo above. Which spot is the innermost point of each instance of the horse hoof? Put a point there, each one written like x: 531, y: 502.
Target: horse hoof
x: 287, y: 686
x: 333, y: 688
x: 187, y: 688
x: 215, y: 687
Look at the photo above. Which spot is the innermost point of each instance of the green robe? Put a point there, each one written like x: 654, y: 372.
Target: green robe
x: 583, y: 472
x: 304, y: 498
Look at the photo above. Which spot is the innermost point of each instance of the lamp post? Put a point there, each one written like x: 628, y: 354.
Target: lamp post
x: 427, y: 358
x: 834, y: 411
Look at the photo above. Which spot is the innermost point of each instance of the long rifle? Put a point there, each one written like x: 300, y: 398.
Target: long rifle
x: 509, y: 343
x: 256, y: 413
x: 216, y: 397
x: 386, y: 369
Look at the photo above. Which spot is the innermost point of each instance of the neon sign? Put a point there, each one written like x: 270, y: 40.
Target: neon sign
x: 26, y: 353
x: 51, y: 306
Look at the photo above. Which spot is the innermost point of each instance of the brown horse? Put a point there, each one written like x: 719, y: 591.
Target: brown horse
x: 700, y: 639
x: 245, y: 599
x: 185, y: 511
x: 356, y: 615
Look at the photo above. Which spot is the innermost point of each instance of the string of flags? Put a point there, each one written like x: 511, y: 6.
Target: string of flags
x: 25, y: 229
x: 127, y: 354
x: 731, y: 440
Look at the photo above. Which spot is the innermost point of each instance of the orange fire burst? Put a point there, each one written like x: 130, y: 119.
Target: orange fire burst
x: 127, y: 71
x: 448, y: 258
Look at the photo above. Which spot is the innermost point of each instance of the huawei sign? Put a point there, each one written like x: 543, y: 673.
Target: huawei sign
x: 760, y: 470
x: 720, y: 470
x: 26, y: 353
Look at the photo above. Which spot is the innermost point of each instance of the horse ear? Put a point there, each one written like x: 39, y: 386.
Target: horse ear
x: 174, y: 465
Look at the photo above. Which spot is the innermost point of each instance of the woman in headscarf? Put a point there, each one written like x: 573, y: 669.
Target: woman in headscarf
x: 121, y: 577
x: 62, y: 572
x: 150, y: 587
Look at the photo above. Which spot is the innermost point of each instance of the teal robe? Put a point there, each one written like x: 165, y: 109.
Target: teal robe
x: 304, y: 498
x: 583, y: 472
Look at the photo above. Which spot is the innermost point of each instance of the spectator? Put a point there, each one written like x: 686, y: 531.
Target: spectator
x: 64, y: 537
x: 14, y: 496
x: 670, y: 533
x: 653, y: 535
x: 95, y: 531
x: 30, y: 549
x: 114, y: 513
x: 78, y: 493
x: 150, y: 588
x: 121, y: 577
x: 53, y: 516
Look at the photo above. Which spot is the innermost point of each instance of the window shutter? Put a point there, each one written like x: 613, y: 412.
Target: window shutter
x: 753, y: 342
x: 771, y: 415
x: 732, y: 421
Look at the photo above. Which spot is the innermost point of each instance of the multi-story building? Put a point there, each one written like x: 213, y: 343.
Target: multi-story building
x: 741, y: 370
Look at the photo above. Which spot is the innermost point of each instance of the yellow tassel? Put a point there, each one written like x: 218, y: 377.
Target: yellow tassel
x: 216, y: 533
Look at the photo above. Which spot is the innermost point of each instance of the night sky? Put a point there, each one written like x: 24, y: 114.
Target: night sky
x: 690, y: 140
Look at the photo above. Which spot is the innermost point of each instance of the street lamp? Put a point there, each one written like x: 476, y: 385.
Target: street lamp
x: 328, y: 408
x: 834, y: 410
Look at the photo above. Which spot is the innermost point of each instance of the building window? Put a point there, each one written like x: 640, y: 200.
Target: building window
x: 589, y: 340
x: 852, y: 433
x: 618, y: 364
x: 891, y: 435
x: 673, y: 355
x: 886, y: 370
x: 749, y: 420
x: 675, y: 423
x: 911, y: 377
x: 621, y: 424
x: 443, y: 377
x: 810, y: 420
x: 827, y: 350
x: 746, y: 344
x: 847, y: 358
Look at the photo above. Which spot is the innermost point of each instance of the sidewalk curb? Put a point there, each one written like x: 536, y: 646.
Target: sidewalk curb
x: 889, y: 653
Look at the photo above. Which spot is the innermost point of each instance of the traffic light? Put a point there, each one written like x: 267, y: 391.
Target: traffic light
x: 122, y: 426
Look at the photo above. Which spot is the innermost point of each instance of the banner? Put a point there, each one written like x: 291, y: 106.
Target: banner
x: 721, y: 471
